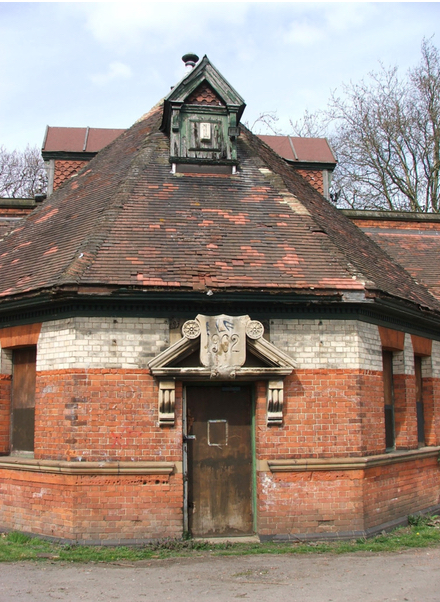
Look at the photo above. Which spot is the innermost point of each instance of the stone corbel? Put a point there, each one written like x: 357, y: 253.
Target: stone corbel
x: 275, y: 397
x: 167, y: 401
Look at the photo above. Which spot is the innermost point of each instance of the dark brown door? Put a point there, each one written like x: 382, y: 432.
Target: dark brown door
x: 388, y: 388
x: 23, y: 398
x: 219, y: 461
x: 419, y: 400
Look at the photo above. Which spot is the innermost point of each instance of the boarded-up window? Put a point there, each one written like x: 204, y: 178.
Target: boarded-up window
x: 419, y: 400
x: 388, y: 389
x: 23, y: 398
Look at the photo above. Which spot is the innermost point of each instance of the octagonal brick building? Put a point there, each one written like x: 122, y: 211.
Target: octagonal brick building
x: 194, y: 340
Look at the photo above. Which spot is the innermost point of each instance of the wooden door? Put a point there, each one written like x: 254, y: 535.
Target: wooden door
x: 419, y: 401
x: 23, y: 398
x: 219, y: 461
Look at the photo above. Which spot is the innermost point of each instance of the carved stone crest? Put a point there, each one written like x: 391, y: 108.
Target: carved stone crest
x: 222, y: 340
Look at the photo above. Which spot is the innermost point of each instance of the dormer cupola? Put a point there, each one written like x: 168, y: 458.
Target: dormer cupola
x: 201, y: 117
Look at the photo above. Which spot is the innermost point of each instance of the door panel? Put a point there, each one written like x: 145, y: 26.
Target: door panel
x: 23, y: 398
x: 219, y: 461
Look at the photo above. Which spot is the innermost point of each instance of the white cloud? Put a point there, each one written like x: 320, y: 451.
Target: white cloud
x: 116, y: 70
x: 319, y: 22
x: 304, y: 34
x: 159, y: 24
x: 347, y: 17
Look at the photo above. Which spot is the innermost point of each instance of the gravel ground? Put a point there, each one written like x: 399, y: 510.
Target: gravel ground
x: 412, y: 576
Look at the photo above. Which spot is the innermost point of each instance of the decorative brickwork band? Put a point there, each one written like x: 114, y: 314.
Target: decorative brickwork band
x: 167, y: 396
x: 275, y: 397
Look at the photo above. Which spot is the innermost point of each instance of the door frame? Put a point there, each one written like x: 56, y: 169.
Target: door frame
x: 251, y: 386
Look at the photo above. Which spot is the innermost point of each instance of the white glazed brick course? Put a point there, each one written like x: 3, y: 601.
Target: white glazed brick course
x: 331, y: 344
x: 408, y: 355
x: 403, y: 361
x: 83, y: 342
x: 5, y: 361
x: 433, y: 368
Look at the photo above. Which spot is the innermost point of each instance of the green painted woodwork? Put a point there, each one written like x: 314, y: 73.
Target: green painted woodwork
x: 201, y: 132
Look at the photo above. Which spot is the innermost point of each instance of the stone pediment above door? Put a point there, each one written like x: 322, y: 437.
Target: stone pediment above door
x: 222, y: 348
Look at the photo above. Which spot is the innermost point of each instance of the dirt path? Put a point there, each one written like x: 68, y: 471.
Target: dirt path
x: 411, y: 576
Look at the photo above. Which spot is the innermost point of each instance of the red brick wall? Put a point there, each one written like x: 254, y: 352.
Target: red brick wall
x: 372, y: 412
x: 338, y: 501
x: 431, y: 405
x: 95, y: 415
x: 111, y: 415
x: 310, y: 502
x: 327, y: 413
x: 128, y: 507
x: 5, y: 412
x: 405, y: 411
x: 36, y: 503
x: 335, y: 414
x: 92, y: 508
x: 400, y: 489
x: 105, y: 414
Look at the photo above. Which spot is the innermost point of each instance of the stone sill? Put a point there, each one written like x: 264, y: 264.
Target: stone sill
x: 87, y: 468
x: 360, y: 463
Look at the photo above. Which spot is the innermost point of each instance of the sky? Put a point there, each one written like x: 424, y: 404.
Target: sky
x: 106, y: 64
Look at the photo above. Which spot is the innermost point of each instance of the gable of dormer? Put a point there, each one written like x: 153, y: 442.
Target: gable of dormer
x: 201, y: 117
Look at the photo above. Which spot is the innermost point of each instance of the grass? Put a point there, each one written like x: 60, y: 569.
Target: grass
x: 421, y: 532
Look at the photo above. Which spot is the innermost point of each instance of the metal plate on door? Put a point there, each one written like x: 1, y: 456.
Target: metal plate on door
x: 217, y: 433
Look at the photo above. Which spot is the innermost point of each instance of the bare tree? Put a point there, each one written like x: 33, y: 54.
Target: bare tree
x: 22, y: 174
x: 385, y: 132
x: 264, y: 123
x: 311, y: 125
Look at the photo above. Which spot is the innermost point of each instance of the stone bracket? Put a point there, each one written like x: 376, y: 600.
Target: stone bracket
x: 167, y: 402
x: 275, y: 398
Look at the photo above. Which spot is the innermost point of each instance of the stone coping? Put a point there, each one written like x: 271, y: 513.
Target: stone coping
x: 88, y: 468
x: 17, y: 203
x: 403, y: 216
x: 348, y: 463
x: 166, y: 468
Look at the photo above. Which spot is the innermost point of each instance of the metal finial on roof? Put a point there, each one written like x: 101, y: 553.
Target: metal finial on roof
x: 190, y: 60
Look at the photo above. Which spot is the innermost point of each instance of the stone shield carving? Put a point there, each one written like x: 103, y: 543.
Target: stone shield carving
x: 222, y: 340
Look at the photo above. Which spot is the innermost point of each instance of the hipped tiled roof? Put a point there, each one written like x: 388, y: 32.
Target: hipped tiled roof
x: 301, y: 150
x: 126, y: 221
x: 413, y: 240
x: 87, y: 140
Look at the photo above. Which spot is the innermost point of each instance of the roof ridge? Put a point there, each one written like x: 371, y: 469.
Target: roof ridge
x: 149, y: 113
